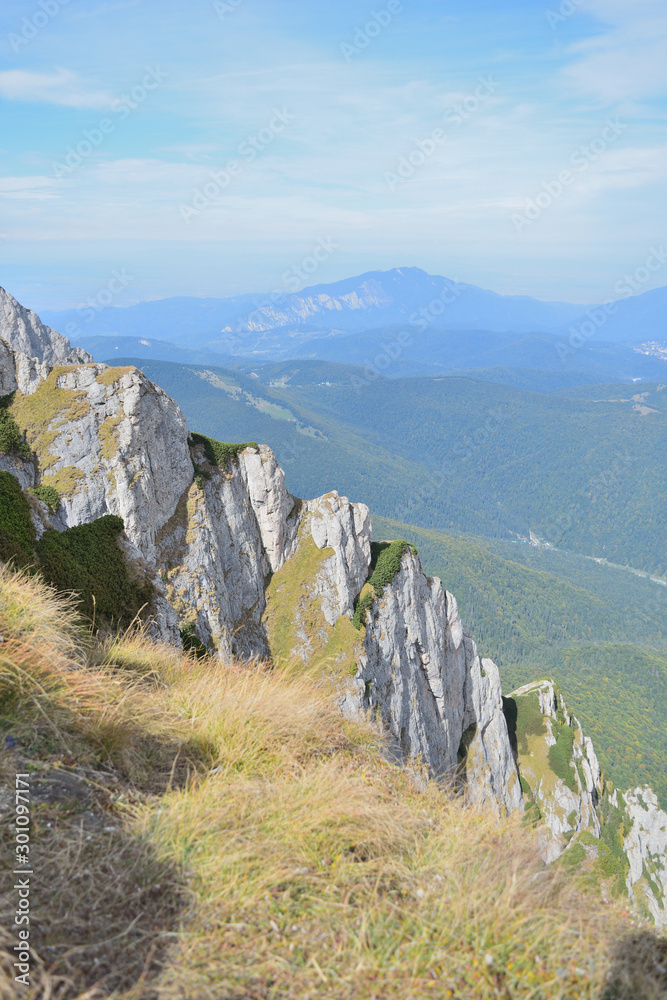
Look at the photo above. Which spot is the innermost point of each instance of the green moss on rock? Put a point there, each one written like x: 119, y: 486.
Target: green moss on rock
x: 385, y: 564
x: 220, y: 453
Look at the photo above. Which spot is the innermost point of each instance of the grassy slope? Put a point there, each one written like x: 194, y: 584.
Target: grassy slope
x: 583, y: 469
x: 602, y: 641
x: 242, y: 839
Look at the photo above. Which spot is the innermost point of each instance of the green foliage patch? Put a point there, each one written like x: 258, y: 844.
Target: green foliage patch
x: 385, y: 563
x: 191, y: 641
x: 529, y: 721
x: 17, y: 532
x: 220, y: 453
x: 560, y: 754
x: 48, y: 495
x: 11, y: 438
x: 612, y: 861
x: 87, y: 560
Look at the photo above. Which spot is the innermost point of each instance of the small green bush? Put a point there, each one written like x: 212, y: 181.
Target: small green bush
x: 48, y: 495
x: 220, y: 453
x: 17, y: 532
x: 191, y: 641
x: 385, y: 563
x: 11, y: 439
x: 560, y: 754
x: 574, y: 856
x: 362, y: 605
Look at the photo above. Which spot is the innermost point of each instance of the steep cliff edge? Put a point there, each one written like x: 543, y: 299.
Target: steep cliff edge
x: 410, y: 663
x: 616, y: 840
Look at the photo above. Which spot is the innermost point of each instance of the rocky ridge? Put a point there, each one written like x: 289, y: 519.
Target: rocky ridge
x: 618, y: 839
x: 253, y: 571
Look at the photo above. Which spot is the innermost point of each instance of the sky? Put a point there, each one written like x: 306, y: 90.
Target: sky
x: 206, y: 148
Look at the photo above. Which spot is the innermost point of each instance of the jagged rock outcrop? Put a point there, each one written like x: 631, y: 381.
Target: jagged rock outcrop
x: 28, y: 348
x: 421, y: 672
x: 559, y: 766
x: 224, y: 539
x: 645, y: 845
x: 110, y: 442
x: 344, y: 528
x: 412, y: 665
x: 620, y: 839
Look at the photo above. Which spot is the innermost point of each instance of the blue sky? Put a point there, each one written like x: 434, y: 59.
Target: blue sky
x: 212, y: 145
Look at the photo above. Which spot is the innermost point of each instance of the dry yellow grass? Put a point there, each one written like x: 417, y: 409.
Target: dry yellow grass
x: 239, y: 839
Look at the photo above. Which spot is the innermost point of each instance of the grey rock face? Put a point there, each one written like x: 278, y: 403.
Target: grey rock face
x: 491, y: 773
x: 124, y: 447
x: 646, y: 849
x: 422, y: 674
x: 337, y: 524
x: 19, y: 467
x: 35, y: 348
x: 211, y: 553
x: 274, y: 507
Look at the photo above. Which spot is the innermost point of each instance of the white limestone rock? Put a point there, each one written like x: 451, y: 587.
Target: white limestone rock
x: 422, y: 675
x: 646, y: 847
x: 212, y: 556
x: 491, y: 773
x: 274, y: 507
x: 344, y: 527
x: 33, y: 348
x: 124, y: 444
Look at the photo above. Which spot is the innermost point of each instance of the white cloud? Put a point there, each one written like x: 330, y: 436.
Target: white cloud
x: 61, y: 87
x: 28, y: 187
x: 628, y: 60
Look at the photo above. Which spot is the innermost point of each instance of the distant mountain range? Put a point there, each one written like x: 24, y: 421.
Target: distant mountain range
x: 403, y: 322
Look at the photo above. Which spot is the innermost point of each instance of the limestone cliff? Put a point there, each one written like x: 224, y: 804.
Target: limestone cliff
x: 618, y: 840
x: 411, y: 664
